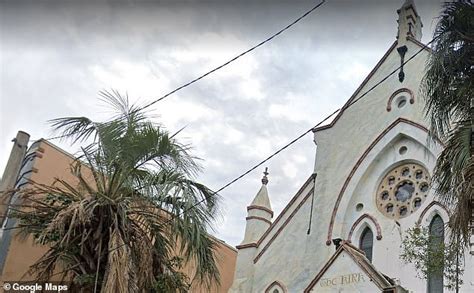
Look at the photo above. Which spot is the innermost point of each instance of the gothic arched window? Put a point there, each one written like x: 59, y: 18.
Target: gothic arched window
x: 435, y: 279
x: 367, y: 242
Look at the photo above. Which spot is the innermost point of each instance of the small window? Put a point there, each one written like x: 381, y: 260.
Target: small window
x: 402, y: 101
x: 419, y: 174
x: 435, y: 279
x: 403, y: 150
x: 403, y: 211
x: 391, y: 180
x: 366, y: 242
x: 424, y: 187
x: 404, y: 191
x: 405, y: 172
x: 417, y: 202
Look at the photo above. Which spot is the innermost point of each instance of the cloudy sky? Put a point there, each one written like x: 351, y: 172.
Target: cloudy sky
x: 55, y: 56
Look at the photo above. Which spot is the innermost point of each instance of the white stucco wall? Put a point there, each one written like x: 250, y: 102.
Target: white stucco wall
x: 293, y: 258
x: 344, y: 276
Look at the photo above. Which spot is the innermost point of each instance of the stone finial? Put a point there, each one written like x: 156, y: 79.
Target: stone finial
x: 265, y: 179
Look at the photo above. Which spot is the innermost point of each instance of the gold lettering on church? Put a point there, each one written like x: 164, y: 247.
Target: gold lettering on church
x: 342, y: 280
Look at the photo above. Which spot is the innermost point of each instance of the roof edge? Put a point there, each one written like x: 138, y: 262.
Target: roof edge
x: 351, y: 250
x: 285, y: 209
x: 366, y: 80
x: 359, y: 89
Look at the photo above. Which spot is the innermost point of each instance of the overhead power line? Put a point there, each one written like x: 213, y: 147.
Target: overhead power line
x: 424, y: 47
x: 312, y: 128
x: 238, y: 56
x: 224, y: 64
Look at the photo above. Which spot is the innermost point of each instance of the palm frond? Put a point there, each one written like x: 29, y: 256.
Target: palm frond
x: 132, y: 208
x: 448, y: 87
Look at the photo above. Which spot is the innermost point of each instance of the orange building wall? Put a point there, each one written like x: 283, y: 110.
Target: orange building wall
x: 52, y: 162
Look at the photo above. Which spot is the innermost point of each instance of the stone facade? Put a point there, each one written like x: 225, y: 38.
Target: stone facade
x: 386, y: 129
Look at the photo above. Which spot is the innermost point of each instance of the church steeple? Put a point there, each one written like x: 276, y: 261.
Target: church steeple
x: 261, y: 199
x: 409, y: 22
x: 259, y: 214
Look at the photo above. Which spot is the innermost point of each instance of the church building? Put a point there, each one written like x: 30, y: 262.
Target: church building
x: 342, y: 231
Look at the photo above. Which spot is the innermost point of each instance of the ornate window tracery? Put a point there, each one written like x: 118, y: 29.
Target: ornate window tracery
x: 403, y: 190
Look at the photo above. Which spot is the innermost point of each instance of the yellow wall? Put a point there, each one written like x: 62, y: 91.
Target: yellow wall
x: 52, y: 162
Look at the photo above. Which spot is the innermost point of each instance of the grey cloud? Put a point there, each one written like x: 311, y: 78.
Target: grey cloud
x: 49, y: 50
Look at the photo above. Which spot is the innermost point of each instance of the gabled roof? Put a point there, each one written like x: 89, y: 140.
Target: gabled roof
x: 366, y: 80
x: 383, y: 282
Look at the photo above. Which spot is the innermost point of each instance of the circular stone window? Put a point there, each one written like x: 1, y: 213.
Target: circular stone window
x: 401, y: 102
x: 403, y: 150
x: 403, y: 190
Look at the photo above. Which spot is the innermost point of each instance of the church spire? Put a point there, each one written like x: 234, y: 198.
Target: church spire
x: 262, y: 199
x: 259, y: 214
x: 409, y: 22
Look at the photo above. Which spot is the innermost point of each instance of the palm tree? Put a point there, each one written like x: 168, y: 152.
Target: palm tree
x: 134, y: 215
x: 448, y: 89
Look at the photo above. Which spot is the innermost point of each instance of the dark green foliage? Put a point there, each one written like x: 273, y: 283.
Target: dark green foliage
x: 174, y: 281
x: 433, y: 257
x: 448, y: 88
x: 120, y: 226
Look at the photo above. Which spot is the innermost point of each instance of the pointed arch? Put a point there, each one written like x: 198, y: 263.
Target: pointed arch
x: 360, y: 162
x: 433, y: 205
x: 436, y: 229
x: 276, y: 285
x: 366, y: 242
x: 369, y: 218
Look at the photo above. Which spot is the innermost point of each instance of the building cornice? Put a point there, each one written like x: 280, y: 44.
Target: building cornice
x: 248, y: 245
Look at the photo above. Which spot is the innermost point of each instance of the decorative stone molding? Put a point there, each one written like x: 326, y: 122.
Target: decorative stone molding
x: 359, y: 220
x: 246, y: 245
x: 359, y: 162
x: 276, y: 285
x: 432, y: 204
x: 402, y: 191
x: 258, y: 218
x: 281, y: 227
x: 398, y: 92
x: 260, y: 208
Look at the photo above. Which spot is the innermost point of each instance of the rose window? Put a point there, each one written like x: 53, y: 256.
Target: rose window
x: 403, y: 190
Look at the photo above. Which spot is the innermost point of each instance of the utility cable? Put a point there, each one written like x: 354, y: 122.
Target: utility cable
x: 314, y: 127
x: 224, y: 64
x: 424, y: 47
